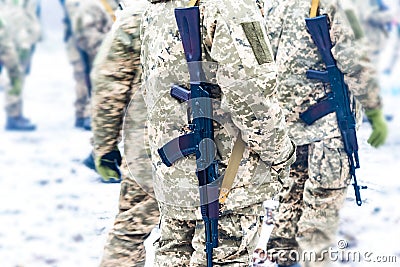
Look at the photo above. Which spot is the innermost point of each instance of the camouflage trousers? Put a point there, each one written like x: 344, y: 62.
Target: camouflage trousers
x: 13, y: 103
x: 138, y: 215
x: 182, y: 241
x: 308, y: 214
x: 82, y: 100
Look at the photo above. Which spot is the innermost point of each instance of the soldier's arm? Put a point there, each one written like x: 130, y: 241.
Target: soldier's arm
x: 116, y: 73
x: 246, y: 74
x: 352, y: 54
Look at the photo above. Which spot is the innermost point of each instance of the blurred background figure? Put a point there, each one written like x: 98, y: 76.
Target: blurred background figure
x: 86, y: 23
x: 375, y: 17
x: 393, y: 60
x: 20, y: 30
x: 379, y: 23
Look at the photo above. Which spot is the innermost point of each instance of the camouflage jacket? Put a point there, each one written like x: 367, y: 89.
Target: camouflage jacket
x: 375, y: 21
x: 115, y: 77
x: 89, y: 23
x: 23, y: 26
x: 295, y: 53
x: 232, y: 30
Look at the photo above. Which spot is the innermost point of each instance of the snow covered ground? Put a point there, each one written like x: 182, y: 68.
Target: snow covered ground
x: 54, y: 212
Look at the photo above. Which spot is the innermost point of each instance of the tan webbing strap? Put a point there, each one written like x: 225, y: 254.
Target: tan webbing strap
x: 236, y: 156
x: 108, y: 8
x: 314, y: 8
x: 232, y: 168
x: 193, y: 2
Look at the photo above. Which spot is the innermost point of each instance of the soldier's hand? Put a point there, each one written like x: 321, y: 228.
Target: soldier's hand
x: 379, y: 127
x: 108, y: 167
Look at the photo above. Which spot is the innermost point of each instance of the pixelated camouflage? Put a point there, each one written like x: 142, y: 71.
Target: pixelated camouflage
x: 238, y: 235
x: 240, y: 62
x: 307, y: 218
x: 295, y: 53
x: 247, y: 81
x: 116, y: 78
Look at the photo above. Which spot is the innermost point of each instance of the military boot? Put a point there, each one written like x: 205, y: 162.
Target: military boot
x: 89, y: 162
x: 87, y: 124
x: 19, y: 123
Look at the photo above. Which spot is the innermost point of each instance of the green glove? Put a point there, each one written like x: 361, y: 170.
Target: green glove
x: 108, y: 167
x: 379, y: 127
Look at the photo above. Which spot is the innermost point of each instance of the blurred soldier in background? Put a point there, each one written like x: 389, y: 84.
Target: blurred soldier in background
x: 116, y: 78
x: 308, y: 214
x: 375, y: 17
x: 20, y: 27
x: 393, y: 60
x: 235, y: 42
x: 86, y: 23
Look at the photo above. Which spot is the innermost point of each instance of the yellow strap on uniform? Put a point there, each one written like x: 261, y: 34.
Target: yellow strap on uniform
x: 193, y: 2
x: 108, y: 8
x: 232, y: 168
x: 234, y: 161
x: 314, y: 8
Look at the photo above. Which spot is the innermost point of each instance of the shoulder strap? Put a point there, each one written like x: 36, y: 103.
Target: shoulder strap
x: 193, y: 2
x: 232, y: 168
x: 314, y: 8
x: 108, y: 8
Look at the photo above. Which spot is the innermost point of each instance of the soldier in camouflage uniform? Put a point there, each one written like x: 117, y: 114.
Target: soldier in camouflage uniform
x: 239, y: 55
x: 116, y: 78
x: 308, y: 215
x: 86, y: 23
x: 375, y: 18
x: 21, y: 30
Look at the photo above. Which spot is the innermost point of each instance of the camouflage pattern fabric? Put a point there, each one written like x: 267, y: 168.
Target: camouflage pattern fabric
x: 321, y: 174
x: 237, y: 236
x: 374, y: 22
x: 286, y: 217
x: 20, y: 31
x: 295, y: 53
x: 116, y: 78
x: 88, y: 23
x: 82, y: 100
x: 138, y: 215
x: 240, y: 63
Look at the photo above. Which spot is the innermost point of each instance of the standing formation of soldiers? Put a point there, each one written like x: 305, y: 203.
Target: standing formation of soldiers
x: 256, y: 55
x: 262, y: 107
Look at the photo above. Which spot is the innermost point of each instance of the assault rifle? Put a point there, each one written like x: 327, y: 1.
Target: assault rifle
x: 338, y: 100
x: 200, y: 141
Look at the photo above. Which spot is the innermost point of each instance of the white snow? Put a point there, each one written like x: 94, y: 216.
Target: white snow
x: 55, y: 212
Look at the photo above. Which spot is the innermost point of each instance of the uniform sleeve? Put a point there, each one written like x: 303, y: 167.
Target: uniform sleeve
x: 353, y: 59
x: 273, y: 23
x: 247, y: 77
x: 116, y: 72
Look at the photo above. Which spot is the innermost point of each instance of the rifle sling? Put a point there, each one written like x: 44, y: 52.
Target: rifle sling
x: 314, y: 8
x: 232, y: 168
x: 193, y: 2
x: 108, y: 8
